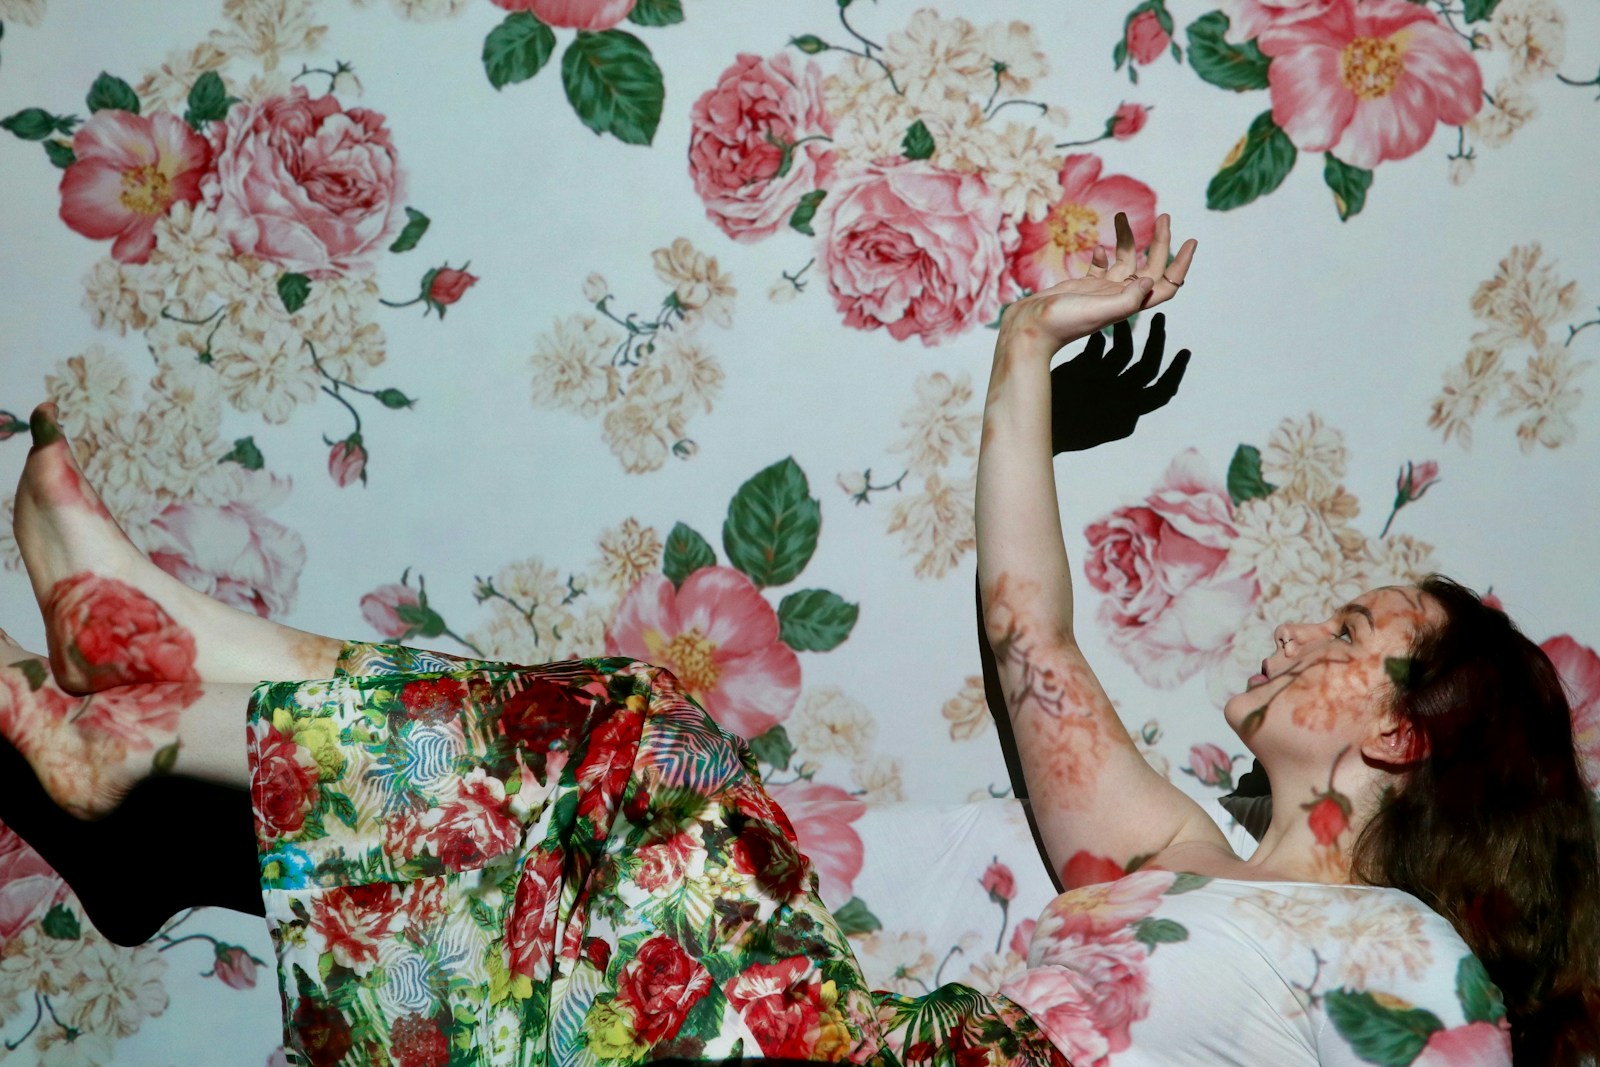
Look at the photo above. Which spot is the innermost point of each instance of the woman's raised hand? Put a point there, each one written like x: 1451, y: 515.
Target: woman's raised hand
x: 1109, y: 293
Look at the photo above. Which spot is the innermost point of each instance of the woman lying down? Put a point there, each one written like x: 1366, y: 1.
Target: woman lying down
x: 467, y: 862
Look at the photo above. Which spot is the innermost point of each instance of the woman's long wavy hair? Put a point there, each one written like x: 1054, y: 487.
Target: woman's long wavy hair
x: 1494, y: 826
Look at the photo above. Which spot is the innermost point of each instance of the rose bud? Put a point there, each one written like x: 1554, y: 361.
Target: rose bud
x: 1211, y: 766
x: 1147, y: 39
x: 348, y: 461
x: 1127, y: 120
x: 999, y: 883
x: 382, y: 608
x: 443, y: 286
x: 236, y: 967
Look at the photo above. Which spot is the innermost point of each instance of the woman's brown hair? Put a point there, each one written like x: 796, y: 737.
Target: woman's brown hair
x: 1494, y: 826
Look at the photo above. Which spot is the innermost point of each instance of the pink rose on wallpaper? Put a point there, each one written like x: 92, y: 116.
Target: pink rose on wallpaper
x: 719, y: 636
x: 1248, y: 19
x: 1580, y: 671
x: 1368, y: 82
x: 573, y: 14
x: 235, y: 967
x: 1128, y: 120
x: 821, y: 816
x: 381, y: 609
x: 1022, y: 936
x: 1472, y: 1045
x: 1171, y: 604
x: 305, y: 184
x: 745, y: 154
x: 913, y: 248
x: 28, y: 886
x: 25, y: 710
x: 1059, y: 246
x: 140, y: 716
x: 233, y: 553
x: 1211, y: 765
x: 1062, y: 1003
x: 1146, y: 39
x: 130, y: 170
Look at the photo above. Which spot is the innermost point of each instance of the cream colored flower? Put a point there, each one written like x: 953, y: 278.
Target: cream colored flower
x: 63, y: 1048
x: 992, y: 970
x: 1057, y: 116
x: 1461, y: 168
x: 1304, y: 459
x: 873, y: 128
x: 91, y: 390
x: 1281, y: 538
x: 942, y: 425
x: 168, y: 85
x: 639, y: 433
x: 572, y: 365
x: 696, y: 281
x: 584, y: 633
x: 118, y: 989
x: 33, y: 961
x: 829, y: 723
x: 188, y: 259
x: 265, y: 86
x: 936, y: 58
x: 122, y: 296
x: 1025, y: 172
x: 936, y: 525
x: 272, y: 373
x: 852, y: 82
x: 1381, y: 938
x: 596, y: 288
x: 679, y: 371
x: 428, y: 10
x: 1502, y: 115
x: 968, y: 711
x: 1015, y: 47
x: 1284, y: 920
x: 1524, y: 299
x: 627, y: 553
x: 963, y: 141
x: 1467, y: 387
x: 783, y: 290
x: 1398, y: 559
x: 506, y: 636
x: 529, y: 612
x: 1533, y: 33
x: 902, y: 960
x: 1545, y: 395
x: 879, y: 779
x: 269, y: 29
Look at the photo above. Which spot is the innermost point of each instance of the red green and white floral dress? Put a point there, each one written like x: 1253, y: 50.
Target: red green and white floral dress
x: 475, y: 863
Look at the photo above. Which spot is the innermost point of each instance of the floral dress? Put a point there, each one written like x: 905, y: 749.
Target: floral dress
x: 475, y: 863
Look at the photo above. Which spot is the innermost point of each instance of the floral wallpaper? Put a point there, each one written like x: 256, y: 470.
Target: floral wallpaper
x: 362, y: 319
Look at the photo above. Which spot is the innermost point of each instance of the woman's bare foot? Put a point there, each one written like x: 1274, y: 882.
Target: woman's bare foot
x: 89, y: 750
x: 113, y: 618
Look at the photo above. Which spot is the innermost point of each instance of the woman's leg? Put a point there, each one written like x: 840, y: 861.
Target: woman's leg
x: 112, y: 617
x: 88, y: 750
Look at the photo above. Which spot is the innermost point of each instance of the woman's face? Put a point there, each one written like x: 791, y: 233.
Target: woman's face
x: 1331, y: 678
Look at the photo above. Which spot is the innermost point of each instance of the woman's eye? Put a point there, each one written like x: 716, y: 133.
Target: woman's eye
x: 1344, y: 634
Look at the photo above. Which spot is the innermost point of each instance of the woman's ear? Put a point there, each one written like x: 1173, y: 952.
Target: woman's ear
x: 1394, y: 742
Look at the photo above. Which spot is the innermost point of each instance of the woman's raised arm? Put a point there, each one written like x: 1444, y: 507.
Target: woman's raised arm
x: 1091, y: 790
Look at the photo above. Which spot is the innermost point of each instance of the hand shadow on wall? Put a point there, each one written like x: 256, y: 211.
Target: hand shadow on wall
x: 173, y: 843
x: 1095, y: 397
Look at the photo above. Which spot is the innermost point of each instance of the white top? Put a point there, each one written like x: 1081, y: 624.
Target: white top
x: 1163, y: 969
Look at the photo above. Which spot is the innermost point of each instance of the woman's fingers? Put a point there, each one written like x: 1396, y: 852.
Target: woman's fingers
x: 1169, y: 280
x: 1097, y: 263
x: 1160, y: 246
x: 1127, y: 256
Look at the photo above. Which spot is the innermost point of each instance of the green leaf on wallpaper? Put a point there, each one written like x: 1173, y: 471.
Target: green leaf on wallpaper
x: 1349, y: 185
x: 1227, y: 66
x: 60, y: 153
x: 685, y: 552
x: 112, y: 93
x: 1244, y: 475
x: 805, y: 211
x: 35, y: 124
x: 1378, y: 1033
x: 657, y: 13
x: 1480, y: 1000
x: 393, y: 399
x: 773, y: 748
x: 208, y: 100
x: 293, y: 290
x: 1256, y: 166
x: 614, y: 85
x: 809, y: 43
x: 918, y: 142
x: 517, y: 49
x: 1477, y: 10
x: 815, y: 620
x: 773, y: 524
x: 416, y: 225
x: 245, y: 453
x: 856, y: 918
x: 61, y: 923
